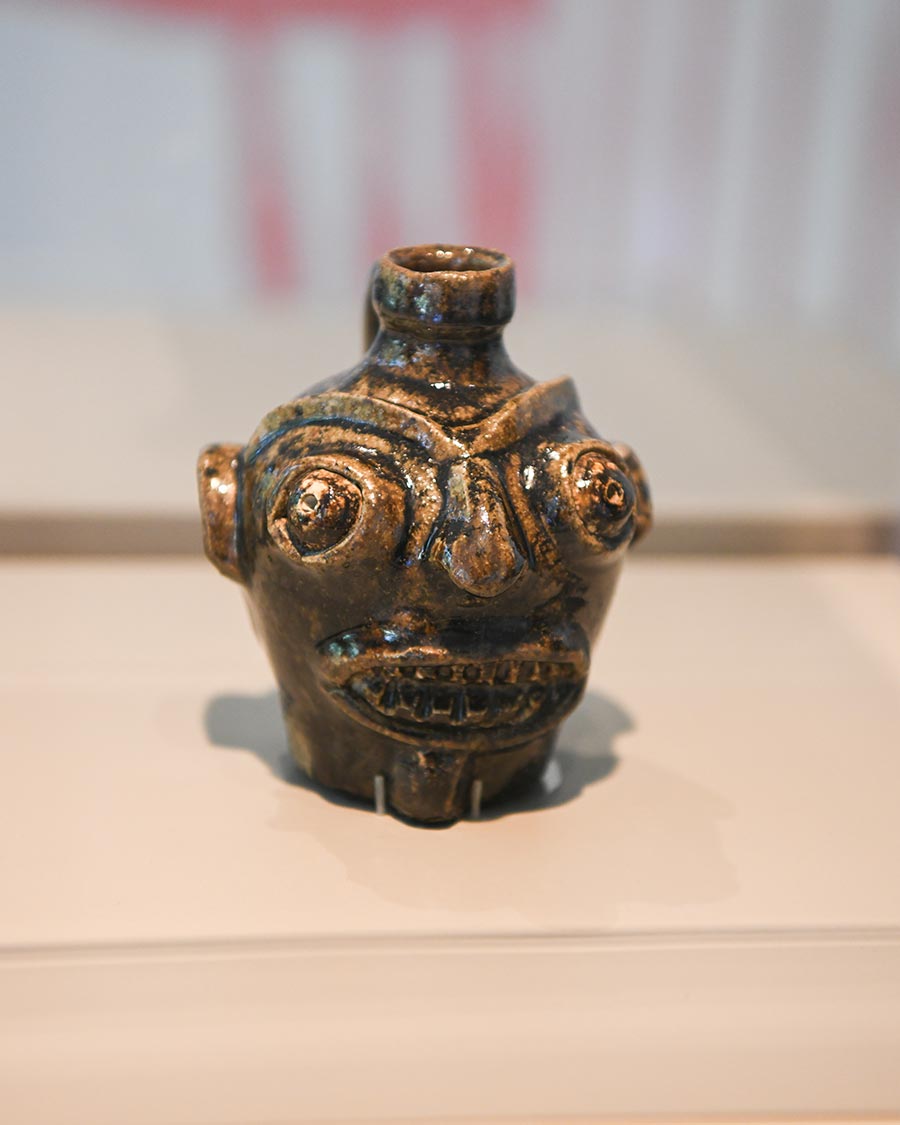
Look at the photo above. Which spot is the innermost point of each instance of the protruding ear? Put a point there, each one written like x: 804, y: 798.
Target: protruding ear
x: 644, y: 508
x: 219, y: 482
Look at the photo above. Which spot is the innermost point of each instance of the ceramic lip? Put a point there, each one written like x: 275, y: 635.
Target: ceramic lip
x: 438, y: 257
x: 440, y: 288
x: 395, y: 648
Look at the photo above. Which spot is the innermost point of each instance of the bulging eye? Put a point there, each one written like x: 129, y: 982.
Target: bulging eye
x: 604, y: 496
x: 321, y: 509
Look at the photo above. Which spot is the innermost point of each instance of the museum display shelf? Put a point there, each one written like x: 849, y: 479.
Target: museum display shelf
x: 698, y: 915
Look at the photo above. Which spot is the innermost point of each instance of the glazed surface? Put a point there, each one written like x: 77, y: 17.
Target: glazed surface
x: 430, y: 542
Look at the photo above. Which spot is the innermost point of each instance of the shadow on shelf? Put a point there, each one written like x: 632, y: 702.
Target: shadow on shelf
x: 584, y: 755
x: 655, y: 840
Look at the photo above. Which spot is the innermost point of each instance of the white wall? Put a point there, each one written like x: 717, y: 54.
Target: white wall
x: 703, y: 197
x: 742, y: 156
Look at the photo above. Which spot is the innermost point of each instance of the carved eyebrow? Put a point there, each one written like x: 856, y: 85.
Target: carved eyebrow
x: 353, y: 413
x: 516, y: 418
x: 520, y: 416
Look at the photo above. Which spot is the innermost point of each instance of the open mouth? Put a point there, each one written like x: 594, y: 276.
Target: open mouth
x: 423, y: 692
x: 458, y: 695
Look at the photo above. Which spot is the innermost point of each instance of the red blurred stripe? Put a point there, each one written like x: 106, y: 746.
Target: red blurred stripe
x: 272, y: 240
x: 498, y: 188
x: 501, y: 143
x: 380, y: 12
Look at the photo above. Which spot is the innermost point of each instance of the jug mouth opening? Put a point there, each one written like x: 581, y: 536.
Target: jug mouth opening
x: 447, y: 259
x: 444, y: 290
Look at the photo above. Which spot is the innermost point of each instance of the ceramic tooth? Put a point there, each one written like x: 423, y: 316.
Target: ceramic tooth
x: 389, y: 696
x: 423, y: 704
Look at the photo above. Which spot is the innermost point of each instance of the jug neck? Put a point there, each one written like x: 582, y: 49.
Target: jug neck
x: 440, y: 308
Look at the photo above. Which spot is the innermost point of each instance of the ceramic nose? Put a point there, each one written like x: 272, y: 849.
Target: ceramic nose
x: 477, y: 547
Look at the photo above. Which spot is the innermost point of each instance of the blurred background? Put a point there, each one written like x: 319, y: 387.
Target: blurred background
x: 702, y: 196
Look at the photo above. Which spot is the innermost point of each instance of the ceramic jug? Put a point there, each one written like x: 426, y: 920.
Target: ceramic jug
x: 429, y: 542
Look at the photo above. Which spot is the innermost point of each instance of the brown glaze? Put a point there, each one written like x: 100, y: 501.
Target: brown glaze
x: 430, y: 543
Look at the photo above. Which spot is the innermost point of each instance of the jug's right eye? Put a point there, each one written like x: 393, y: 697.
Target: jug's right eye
x: 316, y: 511
x: 333, y: 508
x: 322, y: 510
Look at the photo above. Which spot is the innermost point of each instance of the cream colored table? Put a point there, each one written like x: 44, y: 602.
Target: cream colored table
x: 699, y: 914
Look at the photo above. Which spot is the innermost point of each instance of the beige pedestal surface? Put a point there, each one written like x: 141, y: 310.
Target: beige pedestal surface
x: 699, y: 914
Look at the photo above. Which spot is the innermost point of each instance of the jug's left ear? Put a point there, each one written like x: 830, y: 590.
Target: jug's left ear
x: 644, y: 508
x: 219, y: 482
